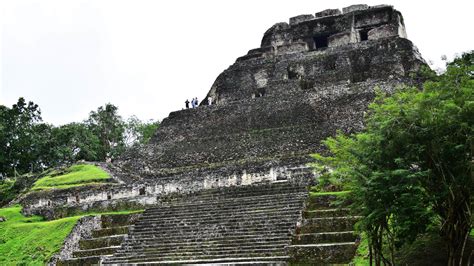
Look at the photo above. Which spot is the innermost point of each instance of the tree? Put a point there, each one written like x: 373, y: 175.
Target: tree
x: 412, y: 165
x: 73, y: 142
x: 109, y: 127
x: 19, y: 137
x: 138, y: 132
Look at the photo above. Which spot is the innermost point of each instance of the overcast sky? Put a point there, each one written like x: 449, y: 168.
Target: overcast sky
x: 147, y: 57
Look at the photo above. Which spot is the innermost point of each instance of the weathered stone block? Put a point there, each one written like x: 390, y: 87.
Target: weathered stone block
x: 353, y: 8
x: 322, y: 254
x: 295, y: 47
x: 300, y: 18
x: 116, y: 220
x: 339, y: 39
x: 325, y: 237
x: 328, y: 12
x: 384, y: 31
x: 375, y: 17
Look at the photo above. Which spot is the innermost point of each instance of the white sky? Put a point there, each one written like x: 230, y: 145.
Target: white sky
x: 147, y: 57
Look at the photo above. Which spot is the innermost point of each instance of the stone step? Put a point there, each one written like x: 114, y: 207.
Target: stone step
x: 95, y: 252
x: 200, y: 249
x: 227, y: 210
x: 147, y: 257
x: 148, y: 238
x: 320, y: 254
x: 328, y: 224
x: 117, y: 220
x: 92, y: 260
x: 110, y: 231
x: 326, y: 213
x: 218, y: 226
x: 261, y: 202
x: 324, y: 202
x: 218, y: 219
x: 250, y: 227
x: 99, y: 242
x: 254, y: 214
x: 258, y: 200
x: 211, y: 241
x: 183, y: 235
x: 238, y: 192
x: 327, y: 237
x: 269, y: 260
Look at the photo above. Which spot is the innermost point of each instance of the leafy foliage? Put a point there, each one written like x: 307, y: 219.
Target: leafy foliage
x: 411, y: 168
x: 108, y: 126
x: 74, y: 142
x: 20, y: 138
x: 27, y: 145
x: 138, y: 132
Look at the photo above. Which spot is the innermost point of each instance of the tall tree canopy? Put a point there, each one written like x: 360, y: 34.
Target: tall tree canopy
x: 29, y: 145
x: 411, y: 167
x: 109, y: 127
x: 20, y: 137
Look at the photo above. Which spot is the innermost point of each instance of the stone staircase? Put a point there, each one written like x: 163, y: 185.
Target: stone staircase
x: 102, y: 242
x: 252, y: 223
x: 326, y: 234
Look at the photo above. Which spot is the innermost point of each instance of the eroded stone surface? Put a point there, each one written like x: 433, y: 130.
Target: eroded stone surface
x: 272, y: 108
x: 82, y: 229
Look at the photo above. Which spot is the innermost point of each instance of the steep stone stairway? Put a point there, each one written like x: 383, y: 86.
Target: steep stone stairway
x: 103, y: 241
x: 326, y: 234
x: 226, y: 225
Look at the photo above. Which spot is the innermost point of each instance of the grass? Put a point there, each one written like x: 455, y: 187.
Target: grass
x: 31, y: 240
x: 325, y: 193
x: 76, y: 175
x: 362, y: 254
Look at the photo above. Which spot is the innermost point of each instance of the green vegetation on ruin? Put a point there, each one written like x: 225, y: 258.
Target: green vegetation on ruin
x: 410, y: 170
x: 327, y: 193
x: 7, y: 191
x: 32, y: 240
x: 76, y: 175
x: 362, y: 254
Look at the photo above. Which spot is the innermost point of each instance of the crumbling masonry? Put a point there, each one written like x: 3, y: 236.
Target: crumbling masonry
x: 308, y: 79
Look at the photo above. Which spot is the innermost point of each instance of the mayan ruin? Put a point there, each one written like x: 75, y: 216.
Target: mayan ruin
x: 233, y: 188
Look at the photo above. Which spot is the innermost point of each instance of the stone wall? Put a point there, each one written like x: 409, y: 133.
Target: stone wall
x: 354, y: 21
x: 53, y: 204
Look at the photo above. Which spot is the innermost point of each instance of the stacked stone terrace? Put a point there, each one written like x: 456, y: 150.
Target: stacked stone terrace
x: 226, y: 183
x: 273, y: 107
x: 308, y: 79
x: 225, y: 225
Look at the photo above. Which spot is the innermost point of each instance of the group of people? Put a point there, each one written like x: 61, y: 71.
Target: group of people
x: 194, y: 102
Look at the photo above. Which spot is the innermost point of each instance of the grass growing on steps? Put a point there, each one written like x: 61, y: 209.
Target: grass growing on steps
x: 76, y: 175
x: 335, y: 193
x: 31, y: 240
